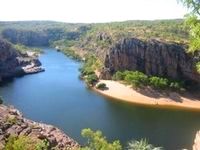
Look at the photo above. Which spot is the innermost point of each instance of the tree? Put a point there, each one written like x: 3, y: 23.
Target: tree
x: 193, y: 22
x: 194, y: 5
x: 96, y: 141
x: 101, y: 86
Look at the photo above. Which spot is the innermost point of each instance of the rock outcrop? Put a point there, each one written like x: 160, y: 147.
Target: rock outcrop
x: 13, y: 123
x: 14, y: 63
x: 196, y: 145
x: 151, y: 57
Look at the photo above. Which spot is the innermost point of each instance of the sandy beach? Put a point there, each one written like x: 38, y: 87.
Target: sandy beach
x: 123, y: 92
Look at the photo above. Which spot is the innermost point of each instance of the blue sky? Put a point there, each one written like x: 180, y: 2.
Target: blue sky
x: 88, y: 11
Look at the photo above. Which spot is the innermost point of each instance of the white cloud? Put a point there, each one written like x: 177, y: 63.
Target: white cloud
x: 90, y: 10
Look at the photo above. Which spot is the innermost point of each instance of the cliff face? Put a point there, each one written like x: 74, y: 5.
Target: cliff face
x: 28, y: 38
x: 14, y: 124
x: 196, y: 145
x: 151, y: 57
x: 13, y: 63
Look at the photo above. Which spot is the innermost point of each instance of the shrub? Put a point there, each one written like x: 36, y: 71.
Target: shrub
x: 158, y: 82
x: 87, y: 71
x: 25, y: 143
x: 119, y: 75
x: 141, y: 145
x: 136, y: 78
x: 11, y: 119
x: 96, y: 141
x: 101, y: 86
x: 91, y: 79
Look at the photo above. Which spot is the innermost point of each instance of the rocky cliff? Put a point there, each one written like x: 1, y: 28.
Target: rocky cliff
x: 196, y: 145
x: 13, y: 63
x: 13, y: 123
x: 151, y: 57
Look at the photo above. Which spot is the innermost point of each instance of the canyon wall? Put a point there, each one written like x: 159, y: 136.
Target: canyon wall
x: 14, y: 63
x: 13, y: 123
x: 151, y: 57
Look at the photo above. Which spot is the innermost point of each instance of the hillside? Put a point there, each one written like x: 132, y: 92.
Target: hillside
x: 119, y: 46
x: 14, y: 63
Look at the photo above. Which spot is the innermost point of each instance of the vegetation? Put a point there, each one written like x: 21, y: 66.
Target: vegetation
x: 193, y: 22
x: 96, y: 141
x: 70, y: 37
x: 101, y: 86
x: 91, y: 79
x: 67, y: 47
x: 25, y: 143
x: 141, y: 145
x: 23, y: 48
x: 88, y: 69
x: 157, y: 82
x: 139, y: 79
x: 11, y: 120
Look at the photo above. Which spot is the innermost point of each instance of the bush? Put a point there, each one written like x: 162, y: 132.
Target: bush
x: 158, y: 82
x: 136, y: 78
x: 91, y: 79
x: 1, y: 100
x: 96, y: 141
x: 141, y: 145
x: 25, y: 143
x: 118, y: 76
x: 101, y: 86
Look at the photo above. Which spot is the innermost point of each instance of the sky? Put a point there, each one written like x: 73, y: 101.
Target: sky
x: 90, y: 11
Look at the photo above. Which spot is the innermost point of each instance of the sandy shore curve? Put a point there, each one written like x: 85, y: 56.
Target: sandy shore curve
x: 119, y: 91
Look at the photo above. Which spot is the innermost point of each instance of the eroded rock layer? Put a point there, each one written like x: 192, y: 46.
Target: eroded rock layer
x: 12, y: 123
x: 14, y: 63
x: 151, y: 57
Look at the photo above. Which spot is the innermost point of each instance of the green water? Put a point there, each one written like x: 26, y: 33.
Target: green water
x: 58, y: 97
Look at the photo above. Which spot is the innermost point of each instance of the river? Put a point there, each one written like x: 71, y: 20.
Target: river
x: 58, y: 97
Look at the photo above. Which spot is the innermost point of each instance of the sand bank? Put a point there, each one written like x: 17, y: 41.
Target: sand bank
x: 152, y: 98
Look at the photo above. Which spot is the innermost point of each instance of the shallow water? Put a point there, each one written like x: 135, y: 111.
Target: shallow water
x: 57, y: 96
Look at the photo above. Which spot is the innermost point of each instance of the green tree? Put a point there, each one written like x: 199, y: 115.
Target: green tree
x: 101, y: 86
x: 118, y: 76
x: 158, y: 83
x: 193, y: 22
x: 91, y: 79
x: 96, y: 141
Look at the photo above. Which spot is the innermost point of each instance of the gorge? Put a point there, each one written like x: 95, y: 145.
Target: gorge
x: 58, y: 97
x: 51, y: 97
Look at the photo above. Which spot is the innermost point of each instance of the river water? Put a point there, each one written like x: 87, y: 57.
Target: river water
x: 58, y: 97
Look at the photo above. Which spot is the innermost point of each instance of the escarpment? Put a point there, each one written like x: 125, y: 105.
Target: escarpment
x: 151, y: 57
x: 14, y: 124
x: 14, y: 63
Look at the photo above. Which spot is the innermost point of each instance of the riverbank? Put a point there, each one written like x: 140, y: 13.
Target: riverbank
x: 148, y: 97
x: 12, y: 123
